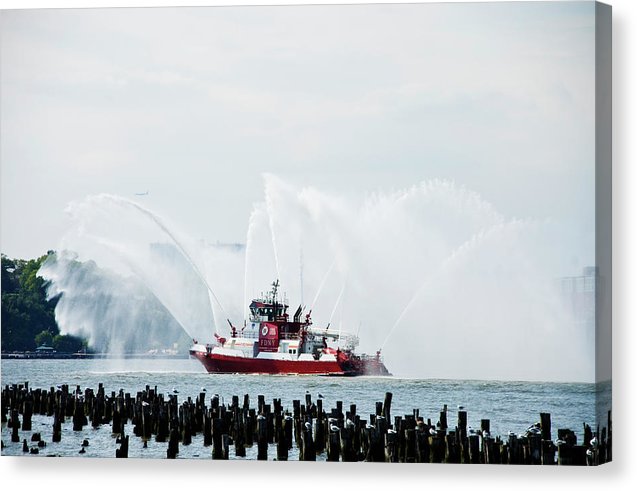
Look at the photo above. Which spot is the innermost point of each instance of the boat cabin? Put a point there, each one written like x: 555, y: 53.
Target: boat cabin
x: 260, y: 311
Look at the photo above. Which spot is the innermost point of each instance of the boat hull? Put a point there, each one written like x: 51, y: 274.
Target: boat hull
x: 219, y: 363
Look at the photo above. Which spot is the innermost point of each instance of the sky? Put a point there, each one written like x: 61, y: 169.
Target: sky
x: 194, y: 105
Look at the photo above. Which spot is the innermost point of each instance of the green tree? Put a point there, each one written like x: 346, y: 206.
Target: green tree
x: 25, y: 309
x: 65, y: 343
x: 10, y: 283
x: 44, y: 338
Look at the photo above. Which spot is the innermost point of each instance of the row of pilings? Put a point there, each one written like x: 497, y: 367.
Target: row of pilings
x: 332, y: 435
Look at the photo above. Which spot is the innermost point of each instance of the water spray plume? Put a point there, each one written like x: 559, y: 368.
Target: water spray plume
x: 127, y: 244
x: 432, y: 277
x: 322, y: 284
x: 269, y: 206
x: 338, y: 301
x: 434, y: 273
x: 181, y: 248
x: 248, y: 250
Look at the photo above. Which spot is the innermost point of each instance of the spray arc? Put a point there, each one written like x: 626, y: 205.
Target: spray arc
x: 433, y: 273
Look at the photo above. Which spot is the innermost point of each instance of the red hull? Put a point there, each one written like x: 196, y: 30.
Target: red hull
x: 216, y: 363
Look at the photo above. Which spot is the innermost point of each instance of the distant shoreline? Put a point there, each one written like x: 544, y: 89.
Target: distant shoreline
x: 26, y: 355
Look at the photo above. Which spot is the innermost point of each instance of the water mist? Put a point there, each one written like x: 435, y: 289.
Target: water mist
x: 436, y: 276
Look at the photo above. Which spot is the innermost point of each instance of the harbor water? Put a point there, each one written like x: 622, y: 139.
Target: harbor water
x: 511, y: 406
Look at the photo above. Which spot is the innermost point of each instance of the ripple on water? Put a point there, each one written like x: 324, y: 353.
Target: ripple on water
x: 511, y: 406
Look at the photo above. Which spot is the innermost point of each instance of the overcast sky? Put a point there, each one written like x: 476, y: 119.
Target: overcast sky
x: 194, y: 104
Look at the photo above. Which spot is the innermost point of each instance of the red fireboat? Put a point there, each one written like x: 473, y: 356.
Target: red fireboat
x: 271, y: 343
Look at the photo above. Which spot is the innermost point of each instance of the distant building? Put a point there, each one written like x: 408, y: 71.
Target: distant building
x: 578, y: 294
x: 44, y: 349
x: 236, y: 246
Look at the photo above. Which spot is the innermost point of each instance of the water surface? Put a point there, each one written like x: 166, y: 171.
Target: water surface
x: 511, y: 406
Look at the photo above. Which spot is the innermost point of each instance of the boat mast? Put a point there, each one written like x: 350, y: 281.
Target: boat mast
x: 275, y: 287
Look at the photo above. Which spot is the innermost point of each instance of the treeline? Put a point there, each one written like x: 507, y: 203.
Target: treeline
x: 28, y: 318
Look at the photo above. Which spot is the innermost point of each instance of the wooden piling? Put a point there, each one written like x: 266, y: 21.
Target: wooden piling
x: 334, y: 443
x: 262, y: 440
x: 391, y: 455
x: 474, y: 448
x: 225, y: 445
x: 409, y: 452
x: 386, y: 411
x: 422, y: 443
x: 173, y: 443
x: 307, y: 442
x: 282, y: 443
x: 535, y: 449
x: 238, y: 429
x: 78, y: 415
x: 217, y: 439
x: 15, y: 426
x: 443, y: 419
x: 57, y: 426
x: 319, y: 428
x: 348, y: 452
x: 122, y: 451
x: 336, y: 435
x: 27, y: 413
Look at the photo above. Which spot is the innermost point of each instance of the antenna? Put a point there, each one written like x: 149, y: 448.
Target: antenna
x: 340, y: 323
x: 301, y: 270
